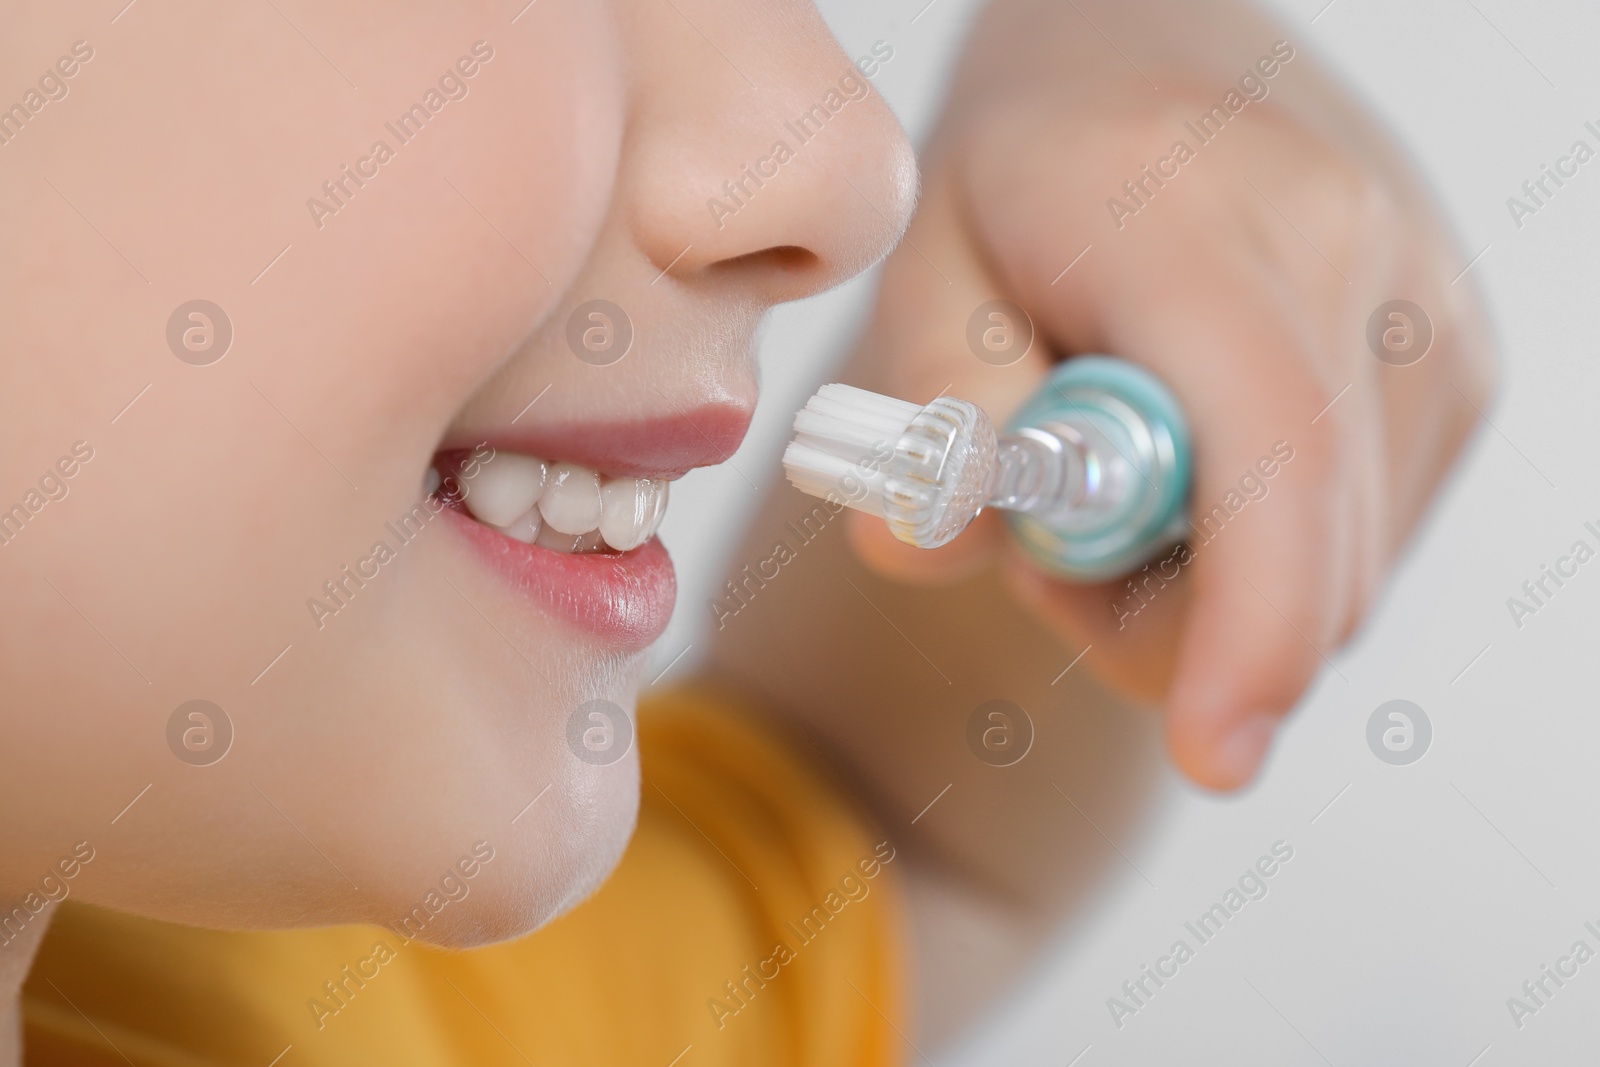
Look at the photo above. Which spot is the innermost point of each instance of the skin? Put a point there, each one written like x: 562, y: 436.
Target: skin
x: 192, y: 540
x: 180, y: 562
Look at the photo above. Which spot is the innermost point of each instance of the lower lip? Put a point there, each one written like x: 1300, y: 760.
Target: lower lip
x: 624, y: 598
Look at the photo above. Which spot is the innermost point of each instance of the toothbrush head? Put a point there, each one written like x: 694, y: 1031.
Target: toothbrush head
x: 926, y: 471
x: 941, y: 473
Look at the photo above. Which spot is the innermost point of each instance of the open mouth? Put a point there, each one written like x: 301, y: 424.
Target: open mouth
x: 567, y: 515
x: 578, y: 543
x: 563, y: 507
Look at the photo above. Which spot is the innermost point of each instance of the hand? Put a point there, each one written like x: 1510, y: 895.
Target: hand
x: 1245, y: 280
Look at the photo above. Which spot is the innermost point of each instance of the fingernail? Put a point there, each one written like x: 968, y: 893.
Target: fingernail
x: 1238, y: 753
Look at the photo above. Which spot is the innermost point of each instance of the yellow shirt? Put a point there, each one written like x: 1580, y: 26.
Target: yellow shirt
x: 753, y: 921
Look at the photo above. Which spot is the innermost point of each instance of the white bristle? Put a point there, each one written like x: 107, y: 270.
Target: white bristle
x: 841, y: 439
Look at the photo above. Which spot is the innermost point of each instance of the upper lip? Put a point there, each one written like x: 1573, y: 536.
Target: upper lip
x: 662, y: 446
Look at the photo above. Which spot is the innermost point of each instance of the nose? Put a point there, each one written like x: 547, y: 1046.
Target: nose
x: 762, y: 157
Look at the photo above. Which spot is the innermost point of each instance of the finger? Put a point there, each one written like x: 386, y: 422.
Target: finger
x: 1272, y: 552
x: 1127, y: 628
x: 1268, y: 544
x: 965, y: 557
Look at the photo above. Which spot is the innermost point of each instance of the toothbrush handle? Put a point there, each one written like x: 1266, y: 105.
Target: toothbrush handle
x: 1132, y: 501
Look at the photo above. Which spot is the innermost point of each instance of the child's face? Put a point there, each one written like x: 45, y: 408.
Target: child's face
x: 219, y: 538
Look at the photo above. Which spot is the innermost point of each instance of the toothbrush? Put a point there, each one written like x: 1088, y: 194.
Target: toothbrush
x: 1093, y: 472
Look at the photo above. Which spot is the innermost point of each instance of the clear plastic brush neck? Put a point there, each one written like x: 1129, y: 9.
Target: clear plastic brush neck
x: 1067, y: 468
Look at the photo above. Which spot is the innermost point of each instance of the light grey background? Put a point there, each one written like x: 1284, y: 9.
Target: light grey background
x: 1419, y: 897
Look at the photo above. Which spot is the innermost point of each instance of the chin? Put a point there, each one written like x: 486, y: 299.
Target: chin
x: 521, y: 883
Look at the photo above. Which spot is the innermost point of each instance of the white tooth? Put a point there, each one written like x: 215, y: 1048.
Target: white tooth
x: 524, y: 528
x: 571, y: 500
x: 589, y: 542
x: 658, y: 509
x: 505, y: 488
x: 430, y: 482
x: 556, y: 541
x: 627, y: 506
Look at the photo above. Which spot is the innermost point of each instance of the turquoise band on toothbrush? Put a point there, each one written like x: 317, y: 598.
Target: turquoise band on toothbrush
x: 1137, y: 412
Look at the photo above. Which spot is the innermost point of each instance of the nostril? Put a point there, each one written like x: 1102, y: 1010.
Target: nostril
x: 787, y: 259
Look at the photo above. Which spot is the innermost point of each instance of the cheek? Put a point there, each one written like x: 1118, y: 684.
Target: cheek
x: 490, y: 230
x: 223, y: 500
x: 432, y: 273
